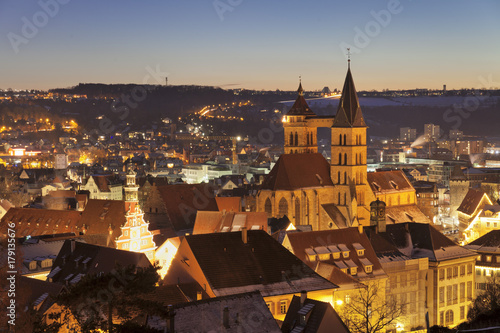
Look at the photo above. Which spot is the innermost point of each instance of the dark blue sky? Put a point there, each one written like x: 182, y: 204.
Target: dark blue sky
x: 253, y: 44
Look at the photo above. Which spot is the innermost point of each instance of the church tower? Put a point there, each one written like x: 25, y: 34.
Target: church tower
x: 299, y: 137
x: 348, y: 154
x: 135, y: 235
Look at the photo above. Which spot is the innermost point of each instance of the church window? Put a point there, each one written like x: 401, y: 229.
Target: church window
x: 345, y: 141
x: 338, y: 177
x: 308, y: 139
x: 297, y: 211
x: 283, y: 207
x: 345, y: 158
x: 356, y: 159
x: 340, y: 158
x: 296, y: 139
x: 345, y: 177
x: 340, y: 139
x: 307, y: 211
x: 268, y: 208
x: 291, y: 139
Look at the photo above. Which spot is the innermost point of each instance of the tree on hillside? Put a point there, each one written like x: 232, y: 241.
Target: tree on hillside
x: 368, y: 311
x: 96, y: 299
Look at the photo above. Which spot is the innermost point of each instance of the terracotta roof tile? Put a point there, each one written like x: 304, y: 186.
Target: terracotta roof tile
x: 294, y: 171
x: 388, y: 181
x: 182, y: 201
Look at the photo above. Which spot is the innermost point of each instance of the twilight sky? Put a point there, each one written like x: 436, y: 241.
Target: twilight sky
x: 255, y: 44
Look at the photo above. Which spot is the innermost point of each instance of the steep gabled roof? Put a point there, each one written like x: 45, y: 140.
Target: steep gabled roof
x: 294, y: 171
x: 472, y: 201
x: 335, y: 240
x: 37, y: 222
x: 300, y: 107
x: 457, y: 173
x: 209, y: 222
x: 388, y: 181
x: 71, y: 265
x: 231, y: 266
x: 421, y: 240
x: 349, y: 112
x: 182, y: 201
x: 314, y: 312
x: 489, y: 242
x: 247, y: 312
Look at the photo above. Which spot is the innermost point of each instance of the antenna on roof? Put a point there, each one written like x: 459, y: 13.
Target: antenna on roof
x: 348, y: 58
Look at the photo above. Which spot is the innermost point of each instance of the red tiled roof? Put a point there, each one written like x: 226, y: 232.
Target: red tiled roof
x: 294, y: 171
x: 302, y: 241
x: 300, y: 107
x: 382, y: 181
x: 37, y: 222
x: 182, y: 201
x: 229, y: 203
x: 99, y: 259
x: 102, y: 216
x: 209, y: 222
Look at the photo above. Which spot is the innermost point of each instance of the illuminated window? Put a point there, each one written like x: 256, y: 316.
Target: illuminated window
x: 441, y: 274
x: 270, y: 307
x: 449, y: 317
x: 441, y: 318
x: 448, y: 273
x: 283, y: 305
x: 354, y: 270
x: 462, y: 270
x: 441, y: 296
x: 455, y: 271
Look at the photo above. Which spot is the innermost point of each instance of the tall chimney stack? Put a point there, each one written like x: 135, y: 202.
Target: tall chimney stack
x: 170, y: 319
x: 225, y: 317
x: 244, y: 235
x: 303, y: 297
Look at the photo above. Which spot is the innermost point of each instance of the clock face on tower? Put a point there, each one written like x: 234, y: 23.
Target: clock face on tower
x: 381, y: 212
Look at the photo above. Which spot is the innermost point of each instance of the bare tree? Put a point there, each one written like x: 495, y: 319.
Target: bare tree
x: 369, y: 311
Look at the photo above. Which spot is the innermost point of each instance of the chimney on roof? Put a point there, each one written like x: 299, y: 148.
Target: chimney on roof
x: 199, y: 296
x: 225, y: 317
x: 170, y: 319
x: 73, y: 244
x: 244, y: 235
x: 303, y: 297
x: 360, y: 228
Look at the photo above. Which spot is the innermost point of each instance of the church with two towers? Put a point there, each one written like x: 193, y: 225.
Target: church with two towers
x: 309, y: 190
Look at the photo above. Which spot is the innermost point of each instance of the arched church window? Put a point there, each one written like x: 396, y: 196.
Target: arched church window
x: 345, y: 141
x: 283, y: 207
x: 296, y: 139
x: 345, y: 158
x: 291, y: 139
x: 340, y: 139
x: 297, y: 211
x: 268, y: 208
x: 340, y: 158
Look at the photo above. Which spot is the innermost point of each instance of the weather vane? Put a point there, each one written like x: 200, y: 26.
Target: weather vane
x: 349, y: 57
x: 300, y: 78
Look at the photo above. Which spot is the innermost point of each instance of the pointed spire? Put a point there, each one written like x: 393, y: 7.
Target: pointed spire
x: 300, y: 90
x: 349, y: 112
x: 300, y: 107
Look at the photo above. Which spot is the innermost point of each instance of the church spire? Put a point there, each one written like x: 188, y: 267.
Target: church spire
x: 349, y: 112
x: 300, y: 107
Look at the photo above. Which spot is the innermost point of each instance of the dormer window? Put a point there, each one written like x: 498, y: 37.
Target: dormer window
x: 311, y: 254
x: 394, y: 185
x: 345, y: 251
x: 354, y: 270
x: 368, y: 269
x: 360, y: 250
